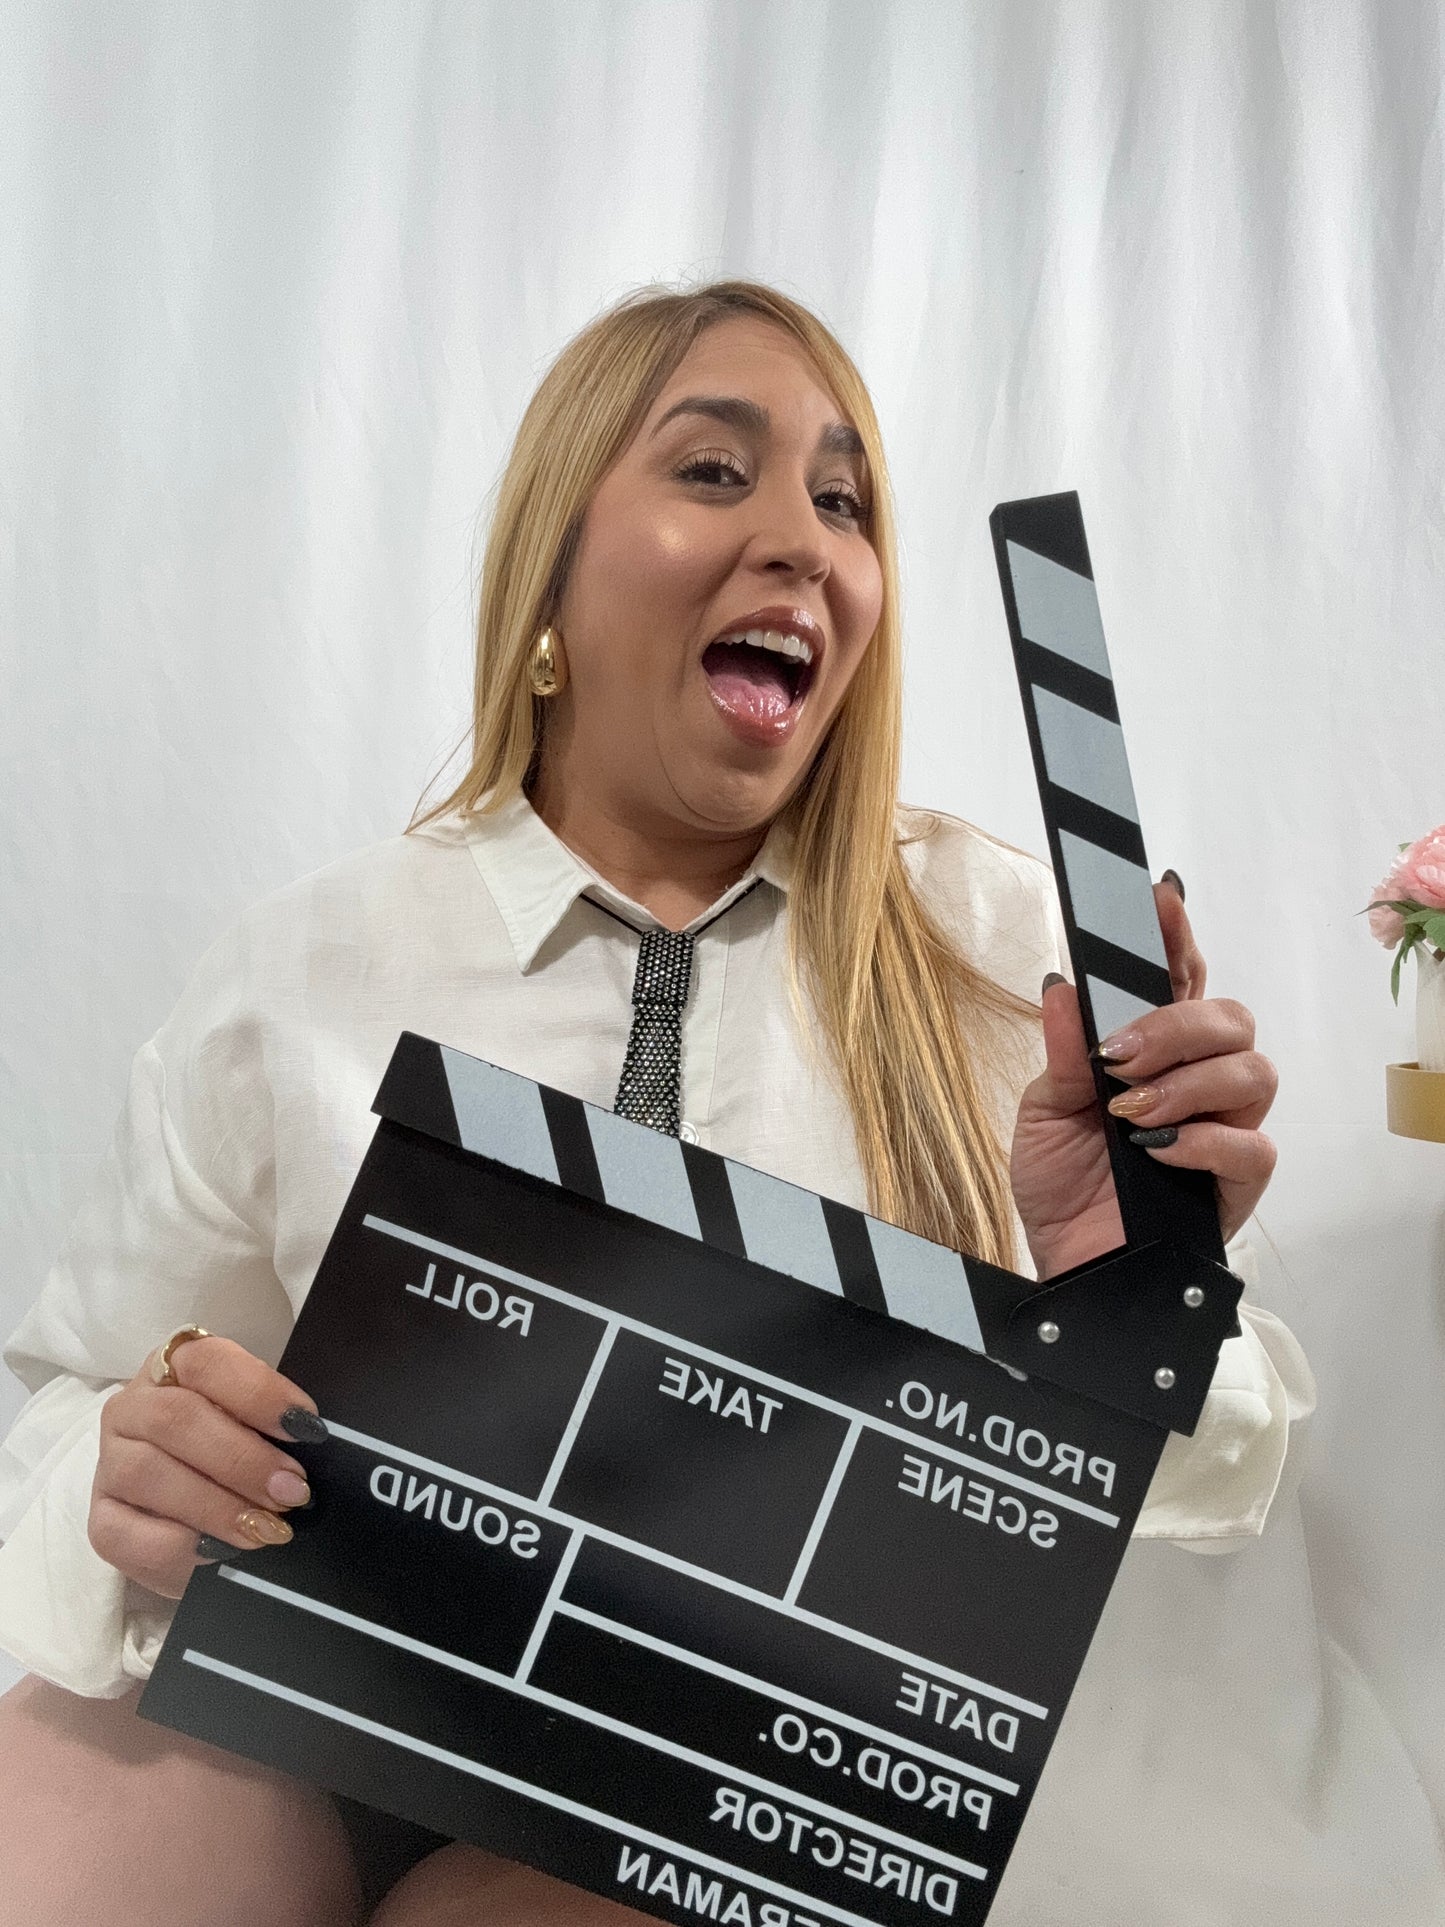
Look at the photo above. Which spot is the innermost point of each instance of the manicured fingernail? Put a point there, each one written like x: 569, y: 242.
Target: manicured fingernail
x: 1173, y: 876
x: 1049, y: 982
x: 1119, y: 1048
x: 209, y: 1547
x: 1156, y: 1140
x: 304, y: 1426
x: 288, y: 1488
x: 1134, y: 1103
x: 263, y: 1528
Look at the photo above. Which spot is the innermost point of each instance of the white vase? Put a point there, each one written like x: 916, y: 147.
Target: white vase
x: 1429, y: 1010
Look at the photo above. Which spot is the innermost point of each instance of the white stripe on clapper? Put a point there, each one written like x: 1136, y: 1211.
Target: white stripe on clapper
x: 1001, y: 1474
x: 549, y: 1606
x: 513, y: 1785
x: 579, y: 1412
x: 715, y: 1669
x: 398, y: 1455
x: 590, y: 1716
x: 820, y: 1517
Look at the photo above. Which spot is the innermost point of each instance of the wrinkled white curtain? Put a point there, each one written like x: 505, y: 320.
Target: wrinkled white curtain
x: 276, y: 282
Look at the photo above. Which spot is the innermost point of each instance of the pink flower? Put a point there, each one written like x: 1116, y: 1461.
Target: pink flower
x: 1419, y: 874
x: 1386, y: 925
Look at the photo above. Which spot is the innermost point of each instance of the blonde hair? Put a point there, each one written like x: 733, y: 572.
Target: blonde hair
x: 916, y: 1033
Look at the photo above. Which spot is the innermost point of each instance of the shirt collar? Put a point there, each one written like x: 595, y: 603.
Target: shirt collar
x: 534, y: 879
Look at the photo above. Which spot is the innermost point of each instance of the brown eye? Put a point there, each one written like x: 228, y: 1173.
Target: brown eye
x: 845, y: 502
x: 712, y: 467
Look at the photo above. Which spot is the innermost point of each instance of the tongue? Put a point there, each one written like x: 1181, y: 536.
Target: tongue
x: 749, y: 682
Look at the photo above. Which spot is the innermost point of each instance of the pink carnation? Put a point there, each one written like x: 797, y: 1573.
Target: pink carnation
x: 1387, y: 925
x: 1419, y: 875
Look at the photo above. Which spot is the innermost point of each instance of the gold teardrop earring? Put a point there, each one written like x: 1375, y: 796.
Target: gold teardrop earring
x: 547, y: 668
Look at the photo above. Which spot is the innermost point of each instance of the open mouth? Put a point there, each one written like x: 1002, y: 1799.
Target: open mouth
x: 759, y: 677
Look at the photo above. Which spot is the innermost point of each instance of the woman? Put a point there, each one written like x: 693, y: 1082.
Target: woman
x: 687, y: 717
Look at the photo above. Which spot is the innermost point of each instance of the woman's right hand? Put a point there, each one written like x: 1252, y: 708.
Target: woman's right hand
x: 197, y: 1458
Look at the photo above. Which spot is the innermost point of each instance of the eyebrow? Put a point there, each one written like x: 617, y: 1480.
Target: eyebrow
x: 751, y: 418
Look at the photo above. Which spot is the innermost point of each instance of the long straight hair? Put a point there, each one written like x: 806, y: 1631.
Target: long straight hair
x: 918, y: 1036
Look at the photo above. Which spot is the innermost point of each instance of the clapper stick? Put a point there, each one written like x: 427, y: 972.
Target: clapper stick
x: 1097, y: 846
x: 680, y: 1531
x: 1139, y: 1328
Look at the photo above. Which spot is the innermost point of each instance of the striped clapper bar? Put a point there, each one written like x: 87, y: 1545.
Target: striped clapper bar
x: 1170, y: 1217
x: 710, y: 1544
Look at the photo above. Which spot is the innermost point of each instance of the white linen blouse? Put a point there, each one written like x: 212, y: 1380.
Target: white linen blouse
x: 248, y: 1115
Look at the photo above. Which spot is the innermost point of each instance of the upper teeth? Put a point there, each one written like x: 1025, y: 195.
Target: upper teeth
x: 774, y: 639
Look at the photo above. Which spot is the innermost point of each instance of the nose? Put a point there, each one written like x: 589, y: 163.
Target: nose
x: 787, y: 537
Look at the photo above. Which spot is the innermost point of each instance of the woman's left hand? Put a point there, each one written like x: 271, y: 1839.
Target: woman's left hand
x: 1191, y: 1065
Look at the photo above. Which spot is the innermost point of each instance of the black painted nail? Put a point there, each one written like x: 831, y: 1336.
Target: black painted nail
x: 209, y: 1547
x: 304, y: 1426
x: 1159, y: 1139
x: 1173, y: 876
x: 1049, y: 982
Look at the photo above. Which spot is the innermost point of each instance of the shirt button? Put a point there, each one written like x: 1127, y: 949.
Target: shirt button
x: 688, y: 1134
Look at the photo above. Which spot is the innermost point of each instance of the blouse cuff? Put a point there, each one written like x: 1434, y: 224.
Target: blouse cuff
x: 1212, y: 1492
x: 66, y: 1614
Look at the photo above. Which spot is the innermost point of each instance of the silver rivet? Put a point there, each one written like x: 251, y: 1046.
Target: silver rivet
x: 1193, y: 1297
x: 1049, y: 1332
x: 1164, y: 1379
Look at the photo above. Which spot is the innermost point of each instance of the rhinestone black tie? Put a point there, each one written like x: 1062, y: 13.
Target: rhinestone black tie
x: 650, y: 1088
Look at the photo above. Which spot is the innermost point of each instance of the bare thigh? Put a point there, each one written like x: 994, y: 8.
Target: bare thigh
x: 105, y: 1816
x: 460, y: 1886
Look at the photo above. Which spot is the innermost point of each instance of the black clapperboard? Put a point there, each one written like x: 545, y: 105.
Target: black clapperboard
x: 705, y: 1542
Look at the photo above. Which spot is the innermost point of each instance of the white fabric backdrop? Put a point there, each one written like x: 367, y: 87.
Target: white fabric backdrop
x: 277, y: 284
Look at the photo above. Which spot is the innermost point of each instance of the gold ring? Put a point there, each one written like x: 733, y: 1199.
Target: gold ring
x: 162, y: 1372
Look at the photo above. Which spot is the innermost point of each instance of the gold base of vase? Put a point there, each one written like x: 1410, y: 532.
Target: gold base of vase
x: 1415, y: 1102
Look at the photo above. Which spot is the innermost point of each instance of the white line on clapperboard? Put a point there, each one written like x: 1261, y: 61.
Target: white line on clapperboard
x: 788, y: 1605
x: 579, y: 1412
x: 517, y: 1683
x: 593, y: 1815
x: 1065, y: 1500
x: 397, y: 1454
x: 715, y: 1669
x: 699, y: 1662
x: 820, y: 1517
x: 544, y: 1618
